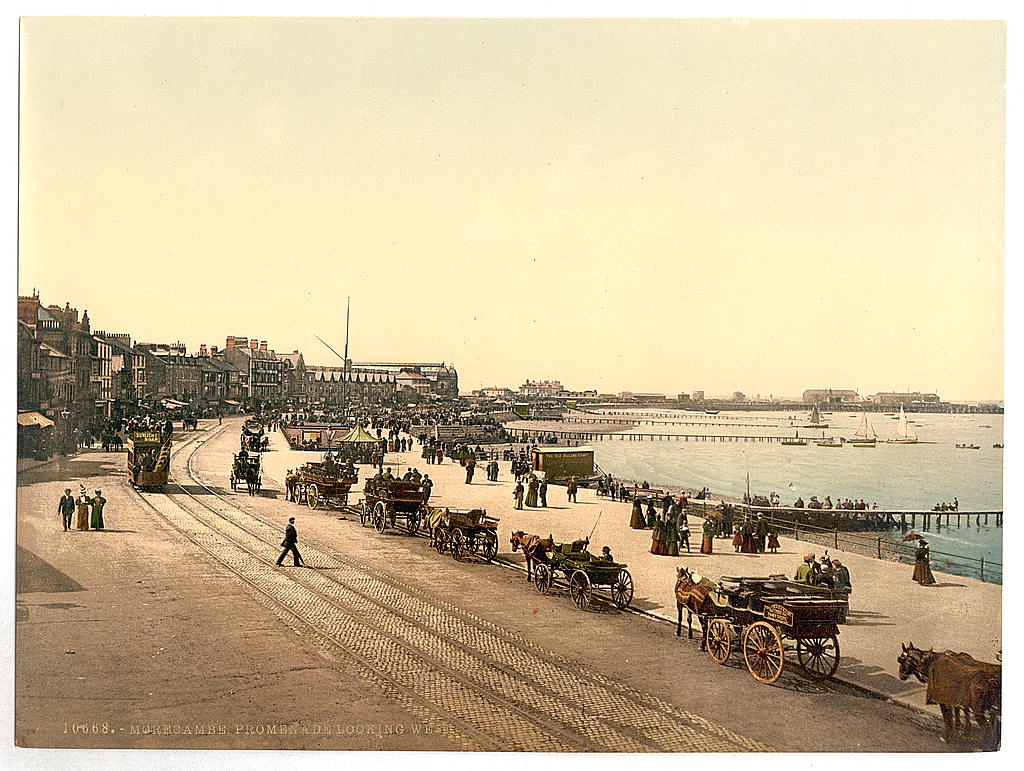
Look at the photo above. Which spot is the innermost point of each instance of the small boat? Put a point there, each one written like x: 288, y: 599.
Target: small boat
x: 904, y: 433
x: 814, y: 421
x: 829, y: 443
x: 968, y: 447
x: 984, y: 426
x: 794, y: 442
x: 711, y: 412
x: 998, y: 446
x: 865, y: 435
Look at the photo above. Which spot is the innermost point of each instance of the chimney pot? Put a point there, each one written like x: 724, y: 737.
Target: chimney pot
x: 254, y: 344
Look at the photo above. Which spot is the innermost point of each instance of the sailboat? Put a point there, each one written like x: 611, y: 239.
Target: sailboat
x: 815, y: 419
x: 865, y: 434
x: 904, y: 433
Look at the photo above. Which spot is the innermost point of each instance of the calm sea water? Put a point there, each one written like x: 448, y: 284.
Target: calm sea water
x: 893, y: 476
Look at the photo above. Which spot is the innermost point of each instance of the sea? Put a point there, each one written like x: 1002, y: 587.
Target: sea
x: 908, y: 477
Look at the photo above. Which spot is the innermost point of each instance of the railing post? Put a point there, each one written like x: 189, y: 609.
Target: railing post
x: 879, y: 547
x: 835, y: 532
x: 982, y: 568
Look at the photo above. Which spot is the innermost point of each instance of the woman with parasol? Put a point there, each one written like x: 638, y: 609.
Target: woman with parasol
x: 922, y: 568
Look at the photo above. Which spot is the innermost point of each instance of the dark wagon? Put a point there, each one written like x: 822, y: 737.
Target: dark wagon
x: 322, y: 485
x: 386, y: 501
x: 583, y: 572
x: 463, y: 531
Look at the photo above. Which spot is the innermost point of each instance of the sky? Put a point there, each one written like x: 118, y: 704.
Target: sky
x: 657, y: 206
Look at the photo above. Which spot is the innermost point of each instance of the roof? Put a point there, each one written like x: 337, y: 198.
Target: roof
x: 51, y: 351
x: 557, y: 450
x: 407, y: 375
x: 34, y: 419
x: 358, y: 434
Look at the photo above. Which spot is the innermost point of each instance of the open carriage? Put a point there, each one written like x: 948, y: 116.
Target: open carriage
x: 584, y: 572
x: 386, y: 501
x: 463, y: 531
x: 246, y: 471
x: 321, y: 484
x: 754, y: 616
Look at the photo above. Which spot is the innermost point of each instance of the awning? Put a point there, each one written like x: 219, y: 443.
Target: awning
x: 232, y: 402
x: 34, y: 419
x: 358, y: 434
x: 174, y: 403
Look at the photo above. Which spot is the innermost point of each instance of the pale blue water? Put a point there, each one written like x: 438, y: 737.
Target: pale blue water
x: 893, y: 476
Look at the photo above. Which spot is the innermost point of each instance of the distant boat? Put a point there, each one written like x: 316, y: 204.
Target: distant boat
x: 865, y: 435
x: 815, y: 419
x: 794, y: 442
x: 711, y: 412
x: 904, y: 433
x: 998, y: 446
x: 829, y: 443
x: 984, y: 426
x: 968, y: 447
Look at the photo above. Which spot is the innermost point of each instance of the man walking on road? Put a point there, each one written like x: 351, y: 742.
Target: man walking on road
x: 66, y: 507
x: 291, y: 539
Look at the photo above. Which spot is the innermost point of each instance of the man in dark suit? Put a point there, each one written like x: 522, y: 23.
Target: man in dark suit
x: 291, y: 538
x: 66, y: 507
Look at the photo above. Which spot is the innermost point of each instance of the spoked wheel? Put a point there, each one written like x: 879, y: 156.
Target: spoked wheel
x: 719, y: 641
x: 440, y: 541
x: 458, y: 543
x: 490, y: 547
x: 580, y: 589
x: 762, y: 651
x: 412, y: 523
x: 364, y: 513
x: 622, y: 589
x: 818, y: 656
x: 380, y: 520
x: 542, y: 578
x: 312, y: 496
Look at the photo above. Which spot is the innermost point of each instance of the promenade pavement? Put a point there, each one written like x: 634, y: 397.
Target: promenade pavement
x: 886, y: 607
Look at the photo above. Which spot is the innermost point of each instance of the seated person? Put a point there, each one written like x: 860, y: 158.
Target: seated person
x: 799, y: 503
x: 606, y: 555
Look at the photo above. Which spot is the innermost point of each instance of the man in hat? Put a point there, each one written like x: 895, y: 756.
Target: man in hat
x: 841, y: 579
x: 805, y: 573
x: 290, y: 544
x: 66, y: 507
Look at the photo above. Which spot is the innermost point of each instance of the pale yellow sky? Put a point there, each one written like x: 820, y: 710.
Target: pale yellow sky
x: 644, y: 205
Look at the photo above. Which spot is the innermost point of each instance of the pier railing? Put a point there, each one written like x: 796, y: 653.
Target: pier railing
x: 878, y: 546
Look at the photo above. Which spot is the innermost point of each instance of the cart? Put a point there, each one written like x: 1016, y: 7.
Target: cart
x: 755, y: 615
x: 245, y: 470
x: 319, y: 486
x: 584, y: 573
x: 385, y: 501
x: 462, y: 531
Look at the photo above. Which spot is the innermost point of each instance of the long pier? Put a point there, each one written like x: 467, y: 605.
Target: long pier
x: 589, y: 436
x: 645, y: 421
x: 887, y: 518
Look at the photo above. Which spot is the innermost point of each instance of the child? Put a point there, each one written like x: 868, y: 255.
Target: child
x: 773, y: 541
x: 737, y: 539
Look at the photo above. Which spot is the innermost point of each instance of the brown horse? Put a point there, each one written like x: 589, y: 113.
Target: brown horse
x: 956, y: 681
x: 535, y: 549
x: 692, y: 595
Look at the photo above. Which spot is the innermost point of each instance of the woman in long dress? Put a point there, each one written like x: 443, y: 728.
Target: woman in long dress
x: 636, y: 519
x: 97, y: 505
x: 922, y: 570
x: 82, y: 510
x: 749, y: 545
x: 531, y: 494
x: 658, y: 543
x: 707, y: 545
x: 672, y: 537
x: 652, y: 515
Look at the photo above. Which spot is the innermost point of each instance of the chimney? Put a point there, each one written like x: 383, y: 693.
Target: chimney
x: 202, y: 349
x: 254, y: 344
x: 263, y: 345
x: 28, y: 310
x: 213, y: 350
x: 229, y: 343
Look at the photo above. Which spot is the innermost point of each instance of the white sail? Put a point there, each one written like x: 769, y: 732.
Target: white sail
x: 815, y: 416
x: 904, y: 430
x: 864, y: 431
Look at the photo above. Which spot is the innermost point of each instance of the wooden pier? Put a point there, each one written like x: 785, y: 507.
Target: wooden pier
x: 592, y: 436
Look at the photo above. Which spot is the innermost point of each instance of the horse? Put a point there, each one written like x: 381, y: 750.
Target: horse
x: 252, y: 479
x: 535, y: 549
x: 291, y: 482
x: 693, y: 595
x: 956, y: 681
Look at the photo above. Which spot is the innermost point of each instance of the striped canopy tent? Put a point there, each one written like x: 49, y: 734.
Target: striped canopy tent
x: 357, y: 445
x: 359, y: 435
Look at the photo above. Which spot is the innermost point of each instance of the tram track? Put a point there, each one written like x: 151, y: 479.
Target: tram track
x: 489, y: 688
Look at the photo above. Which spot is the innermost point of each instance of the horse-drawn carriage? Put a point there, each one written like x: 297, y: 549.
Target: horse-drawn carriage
x: 252, y: 436
x: 758, y: 613
x: 463, y: 531
x: 246, y: 470
x: 321, y: 484
x: 581, y: 570
x: 385, y: 501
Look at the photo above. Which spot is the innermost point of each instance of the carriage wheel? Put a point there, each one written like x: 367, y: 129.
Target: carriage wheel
x: 380, y: 514
x: 490, y: 546
x: 412, y: 522
x: 580, y: 589
x: 622, y: 589
x: 719, y: 641
x: 762, y: 651
x: 542, y: 578
x: 313, y: 496
x: 458, y: 543
x: 818, y: 656
x: 440, y: 540
x: 364, y: 513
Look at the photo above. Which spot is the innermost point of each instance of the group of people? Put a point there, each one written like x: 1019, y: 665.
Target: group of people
x: 846, y: 504
x: 89, y: 509
x: 670, y: 528
x: 755, y: 537
x: 829, y: 572
x: 954, y: 506
x: 536, y: 492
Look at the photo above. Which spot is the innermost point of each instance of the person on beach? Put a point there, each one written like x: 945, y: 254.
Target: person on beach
x: 82, y: 509
x: 531, y: 495
x: 470, y: 468
x: 684, y: 537
x: 428, y: 485
x: 97, y: 503
x: 518, y: 495
x: 570, y: 489
x: 737, y: 539
x: 66, y: 507
x: 659, y: 544
x: 841, y: 580
x: 290, y: 544
x: 922, y: 567
x: 636, y: 519
x: 666, y: 504
x: 672, y: 537
x: 543, y: 490
x: 707, y: 544
x: 761, y: 533
x: 652, y: 515
x: 439, y: 455
x: 805, y: 573
x: 749, y: 545
x: 773, y: 541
